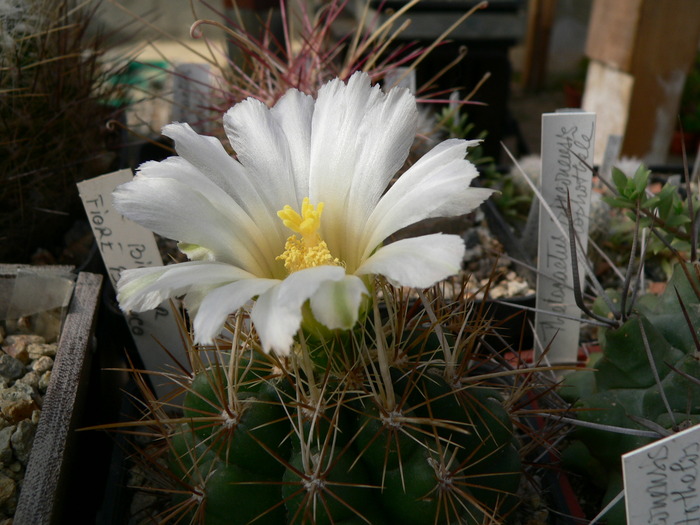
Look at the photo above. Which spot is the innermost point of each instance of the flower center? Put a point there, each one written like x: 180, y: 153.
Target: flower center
x: 309, y: 250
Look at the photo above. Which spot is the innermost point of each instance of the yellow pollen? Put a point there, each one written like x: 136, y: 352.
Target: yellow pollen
x: 310, y: 250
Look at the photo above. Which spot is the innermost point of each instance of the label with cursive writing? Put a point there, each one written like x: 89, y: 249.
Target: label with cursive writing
x: 124, y: 244
x: 567, y: 145
x: 662, y: 481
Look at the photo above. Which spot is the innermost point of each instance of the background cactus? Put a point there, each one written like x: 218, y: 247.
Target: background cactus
x: 644, y: 384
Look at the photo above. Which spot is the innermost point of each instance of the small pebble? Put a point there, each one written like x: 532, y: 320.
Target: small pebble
x: 23, y: 339
x: 43, y: 364
x: 10, y: 368
x: 31, y: 378
x: 26, y: 361
x: 36, y: 350
x: 17, y: 402
x: 44, y: 381
x: 8, y: 488
x: 18, y: 352
x: 5, y: 446
x: 22, y: 440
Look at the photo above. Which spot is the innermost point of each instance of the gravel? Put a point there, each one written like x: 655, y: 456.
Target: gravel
x: 26, y: 361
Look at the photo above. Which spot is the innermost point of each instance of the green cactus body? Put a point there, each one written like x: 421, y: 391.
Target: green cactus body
x: 382, y: 441
x: 337, y: 439
x: 233, y: 495
x: 324, y: 486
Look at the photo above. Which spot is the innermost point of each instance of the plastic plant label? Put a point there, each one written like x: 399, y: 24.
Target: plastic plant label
x: 124, y: 244
x: 567, y: 145
x: 612, y: 153
x: 37, y: 300
x: 662, y: 480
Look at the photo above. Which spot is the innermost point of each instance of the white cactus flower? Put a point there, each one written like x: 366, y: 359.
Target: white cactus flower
x: 301, y: 213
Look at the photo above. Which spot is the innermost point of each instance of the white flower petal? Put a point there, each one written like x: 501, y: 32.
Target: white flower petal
x: 178, y: 211
x: 277, y: 312
x: 262, y: 148
x: 218, y: 304
x: 435, y: 186
x: 143, y: 289
x: 360, y: 138
x: 208, y: 156
x: 336, y: 304
x: 418, y: 262
x: 251, y: 232
x: 293, y: 113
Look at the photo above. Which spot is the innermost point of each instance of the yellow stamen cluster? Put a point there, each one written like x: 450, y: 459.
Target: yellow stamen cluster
x: 310, y: 250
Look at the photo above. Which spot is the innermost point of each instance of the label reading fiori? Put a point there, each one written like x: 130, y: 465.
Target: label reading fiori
x: 123, y: 244
x: 567, y: 146
x: 662, y: 481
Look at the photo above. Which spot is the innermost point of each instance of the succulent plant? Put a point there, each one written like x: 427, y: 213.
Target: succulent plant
x: 644, y: 383
x: 381, y: 424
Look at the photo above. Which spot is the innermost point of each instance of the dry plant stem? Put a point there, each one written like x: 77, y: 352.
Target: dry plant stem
x: 355, y: 52
x: 382, y: 359
x: 638, y: 282
x: 629, y: 272
x: 655, y: 371
x: 578, y: 295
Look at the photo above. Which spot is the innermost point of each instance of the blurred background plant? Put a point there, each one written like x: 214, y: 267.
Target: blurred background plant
x: 55, y: 101
x: 667, y: 214
x: 270, y: 47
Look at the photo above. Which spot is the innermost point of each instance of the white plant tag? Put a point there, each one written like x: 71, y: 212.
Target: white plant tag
x: 124, y: 244
x: 662, y: 480
x: 566, y: 136
x: 611, y: 155
x: 192, y: 95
